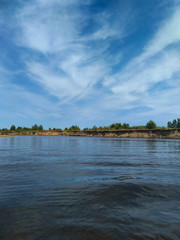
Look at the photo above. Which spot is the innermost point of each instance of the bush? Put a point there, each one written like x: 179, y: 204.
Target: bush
x: 151, y: 125
x: 13, y: 128
x: 74, y: 128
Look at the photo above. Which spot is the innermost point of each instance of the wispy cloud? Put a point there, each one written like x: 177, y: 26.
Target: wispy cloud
x: 72, y: 65
x: 142, y: 78
x: 157, y: 64
x: 168, y: 33
x: 78, y: 55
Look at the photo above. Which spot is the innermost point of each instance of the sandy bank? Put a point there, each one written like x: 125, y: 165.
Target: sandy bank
x: 154, y: 133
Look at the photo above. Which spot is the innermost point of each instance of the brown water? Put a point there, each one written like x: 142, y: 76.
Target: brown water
x: 89, y: 188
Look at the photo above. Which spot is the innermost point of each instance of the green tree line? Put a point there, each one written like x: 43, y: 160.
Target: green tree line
x: 121, y: 126
x: 113, y: 127
x: 174, y: 124
x: 19, y: 128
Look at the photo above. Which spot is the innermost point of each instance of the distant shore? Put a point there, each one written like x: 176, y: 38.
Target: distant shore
x: 131, y: 133
x: 5, y: 136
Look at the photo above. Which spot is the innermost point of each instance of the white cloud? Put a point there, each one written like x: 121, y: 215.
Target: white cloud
x: 74, y: 81
x: 56, y: 84
x: 159, y: 63
x: 141, y: 79
x: 168, y: 34
x: 68, y: 62
x: 72, y: 67
x: 46, y: 29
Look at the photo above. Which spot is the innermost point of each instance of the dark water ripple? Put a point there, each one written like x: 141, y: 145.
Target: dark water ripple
x: 89, y: 188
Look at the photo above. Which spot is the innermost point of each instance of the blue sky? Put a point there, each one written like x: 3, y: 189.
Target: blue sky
x: 92, y: 62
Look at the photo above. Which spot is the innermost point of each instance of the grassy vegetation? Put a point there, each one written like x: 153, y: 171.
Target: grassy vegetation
x: 35, y: 129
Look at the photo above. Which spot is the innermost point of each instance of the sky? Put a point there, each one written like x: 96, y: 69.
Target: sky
x: 91, y: 62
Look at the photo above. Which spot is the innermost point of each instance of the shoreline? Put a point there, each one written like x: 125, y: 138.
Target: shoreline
x: 5, y: 136
x: 131, y: 133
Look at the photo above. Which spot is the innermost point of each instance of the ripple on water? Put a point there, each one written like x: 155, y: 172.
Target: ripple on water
x: 89, y: 188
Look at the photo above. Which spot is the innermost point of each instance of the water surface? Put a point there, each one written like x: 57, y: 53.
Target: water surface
x: 89, y: 188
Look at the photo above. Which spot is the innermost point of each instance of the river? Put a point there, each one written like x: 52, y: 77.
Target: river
x: 83, y: 188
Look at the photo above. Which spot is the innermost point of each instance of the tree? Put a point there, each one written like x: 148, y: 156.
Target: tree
x: 178, y: 123
x: 169, y: 124
x: 74, y: 128
x: 151, y: 125
x: 116, y: 126
x: 94, y: 128
x: 112, y: 126
x: 40, y: 127
x: 125, y: 125
x: 35, y: 127
x: 174, y: 124
x: 13, y: 128
x: 26, y: 129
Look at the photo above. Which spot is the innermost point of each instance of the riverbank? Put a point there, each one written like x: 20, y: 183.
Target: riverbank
x: 5, y: 136
x: 155, y: 133
x: 131, y: 133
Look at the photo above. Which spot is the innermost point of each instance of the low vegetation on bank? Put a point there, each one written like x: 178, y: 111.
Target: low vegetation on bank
x: 113, y: 127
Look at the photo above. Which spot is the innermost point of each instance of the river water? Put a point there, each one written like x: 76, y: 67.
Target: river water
x: 82, y: 188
